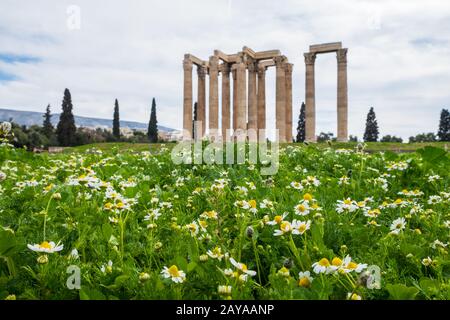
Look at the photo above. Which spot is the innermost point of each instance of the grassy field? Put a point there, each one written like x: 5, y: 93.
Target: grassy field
x: 371, y: 146
x: 329, y: 224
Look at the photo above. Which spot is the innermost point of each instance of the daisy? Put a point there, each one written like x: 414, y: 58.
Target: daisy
x: 304, y: 279
x: 438, y: 243
x: 346, y: 205
x: 344, y: 180
x: 209, y: 215
x: 348, y: 265
x: 153, y: 214
x: 300, y: 227
x: 427, y: 261
x: 266, y: 204
x: 321, y: 266
x: 242, y: 268
x: 398, y: 225
x: 48, y: 247
x: 277, y: 219
x: 216, y: 253
x: 434, y: 200
x: 353, y: 296
x: 302, y: 209
x: 285, y: 227
x: 176, y: 275
x: 107, y: 268
x: 296, y: 185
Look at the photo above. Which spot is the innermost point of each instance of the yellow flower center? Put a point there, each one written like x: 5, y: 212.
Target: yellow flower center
x: 285, y: 226
x: 336, y: 262
x: 361, y: 204
x: 398, y: 226
x: 304, y: 282
x: 347, y: 201
x: 307, y: 197
x: 278, y: 219
x: 252, y: 203
x: 302, y: 228
x: 352, y: 265
x: 45, y: 245
x: 324, y: 262
x: 398, y: 201
x: 243, y: 267
x: 301, y: 208
x: 173, y: 271
x: 203, y: 223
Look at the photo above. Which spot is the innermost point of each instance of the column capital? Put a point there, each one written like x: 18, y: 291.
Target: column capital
x: 262, y: 70
x: 225, y: 68
x: 288, y: 68
x: 252, y: 66
x: 341, y: 55
x: 201, y: 71
x: 214, y: 63
x: 280, y: 61
x: 310, y: 57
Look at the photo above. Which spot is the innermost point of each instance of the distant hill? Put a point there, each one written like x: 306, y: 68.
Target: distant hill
x: 29, y: 118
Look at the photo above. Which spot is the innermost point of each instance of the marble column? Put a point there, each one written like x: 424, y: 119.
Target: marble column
x: 214, y: 96
x: 225, y: 100
x: 201, y: 99
x: 262, y: 102
x: 342, y: 98
x: 252, y: 101
x: 241, y: 117
x: 235, y: 103
x: 280, y: 105
x: 187, y: 99
x: 310, y: 100
x: 288, y: 70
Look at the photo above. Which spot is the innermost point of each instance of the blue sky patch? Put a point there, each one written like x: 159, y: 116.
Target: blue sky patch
x: 15, y: 58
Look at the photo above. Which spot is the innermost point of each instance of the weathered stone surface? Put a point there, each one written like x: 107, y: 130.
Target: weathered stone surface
x: 280, y: 104
x: 213, y: 93
x: 261, y: 123
x: 288, y: 71
x: 252, y: 97
x: 325, y: 47
x: 310, y: 99
x: 201, y: 99
x: 342, y: 99
x: 187, y: 99
x: 225, y: 99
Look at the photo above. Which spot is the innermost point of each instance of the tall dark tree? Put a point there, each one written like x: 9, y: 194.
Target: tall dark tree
x: 444, y: 126
x: 371, y: 133
x: 116, y: 121
x: 301, y: 127
x: 48, y: 128
x: 194, y: 119
x: 66, y: 128
x: 153, y: 124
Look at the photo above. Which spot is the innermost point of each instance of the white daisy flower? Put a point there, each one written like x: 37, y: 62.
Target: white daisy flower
x: 398, y: 225
x: 48, y: 247
x: 176, y: 275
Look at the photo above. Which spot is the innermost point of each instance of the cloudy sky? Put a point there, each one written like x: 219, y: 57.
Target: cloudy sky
x: 398, y: 57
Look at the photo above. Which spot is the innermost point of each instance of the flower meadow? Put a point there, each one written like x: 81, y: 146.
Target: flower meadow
x: 330, y: 224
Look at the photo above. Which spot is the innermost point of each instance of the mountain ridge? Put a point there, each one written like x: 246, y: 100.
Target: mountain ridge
x: 29, y: 118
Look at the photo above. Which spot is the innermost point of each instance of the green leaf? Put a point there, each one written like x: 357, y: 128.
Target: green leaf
x: 401, y: 292
x: 91, y: 294
x: 120, y: 280
x: 8, y: 242
x: 107, y: 231
x: 433, y: 155
x: 191, y: 266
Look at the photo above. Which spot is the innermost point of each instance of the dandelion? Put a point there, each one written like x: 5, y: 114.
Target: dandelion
x: 47, y: 247
x: 305, y: 279
x: 176, y: 275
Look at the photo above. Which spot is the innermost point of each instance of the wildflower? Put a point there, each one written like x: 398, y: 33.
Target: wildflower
x: 305, y: 279
x: 74, y: 254
x: 224, y: 290
x: 437, y: 243
x: 285, y: 227
x: 284, y: 272
x: 144, y: 276
x: 296, y: 185
x: 245, y: 272
x: 346, y: 205
x: 266, y: 204
x: 344, y: 180
x: 107, y: 268
x: 302, y: 209
x: 398, y: 225
x: 427, y: 261
x: 193, y: 228
x: 321, y: 266
x: 176, y: 275
x: 433, y: 178
x: 434, y: 200
x: 300, y: 227
x: 277, y: 219
x: 153, y: 214
x: 348, y: 265
x: 158, y: 245
x: 216, y: 253
x: 203, y: 257
x: 42, y: 259
x: 372, y: 213
x: 48, y: 247
x: 209, y: 215
x: 353, y: 296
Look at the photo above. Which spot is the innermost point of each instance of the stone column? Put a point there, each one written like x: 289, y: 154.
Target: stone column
x: 225, y: 100
x: 310, y: 98
x: 252, y: 102
x: 342, y: 99
x: 262, y: 102
x: 241, y: 116
x: 280, y: 106
x: 235, y: 103
x: 187, y: 99
x: 201, y: 99
x: 288, y: 70
x: 214, y: 96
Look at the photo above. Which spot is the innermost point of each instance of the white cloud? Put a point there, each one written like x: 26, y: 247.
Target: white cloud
x: 398, y: 59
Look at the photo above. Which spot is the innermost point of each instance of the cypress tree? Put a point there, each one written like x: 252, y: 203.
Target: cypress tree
x: 66, y: 128
x: 153, y: 124
x: 194, y: 119
x: 116, y: 121
x: 48, y: 128
x: 301, y: 128
x: 371, y: 133
x: 444, y: 126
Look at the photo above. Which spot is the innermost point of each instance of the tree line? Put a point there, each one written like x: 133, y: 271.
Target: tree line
x: 67, y: 134
x: 371, y: 133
